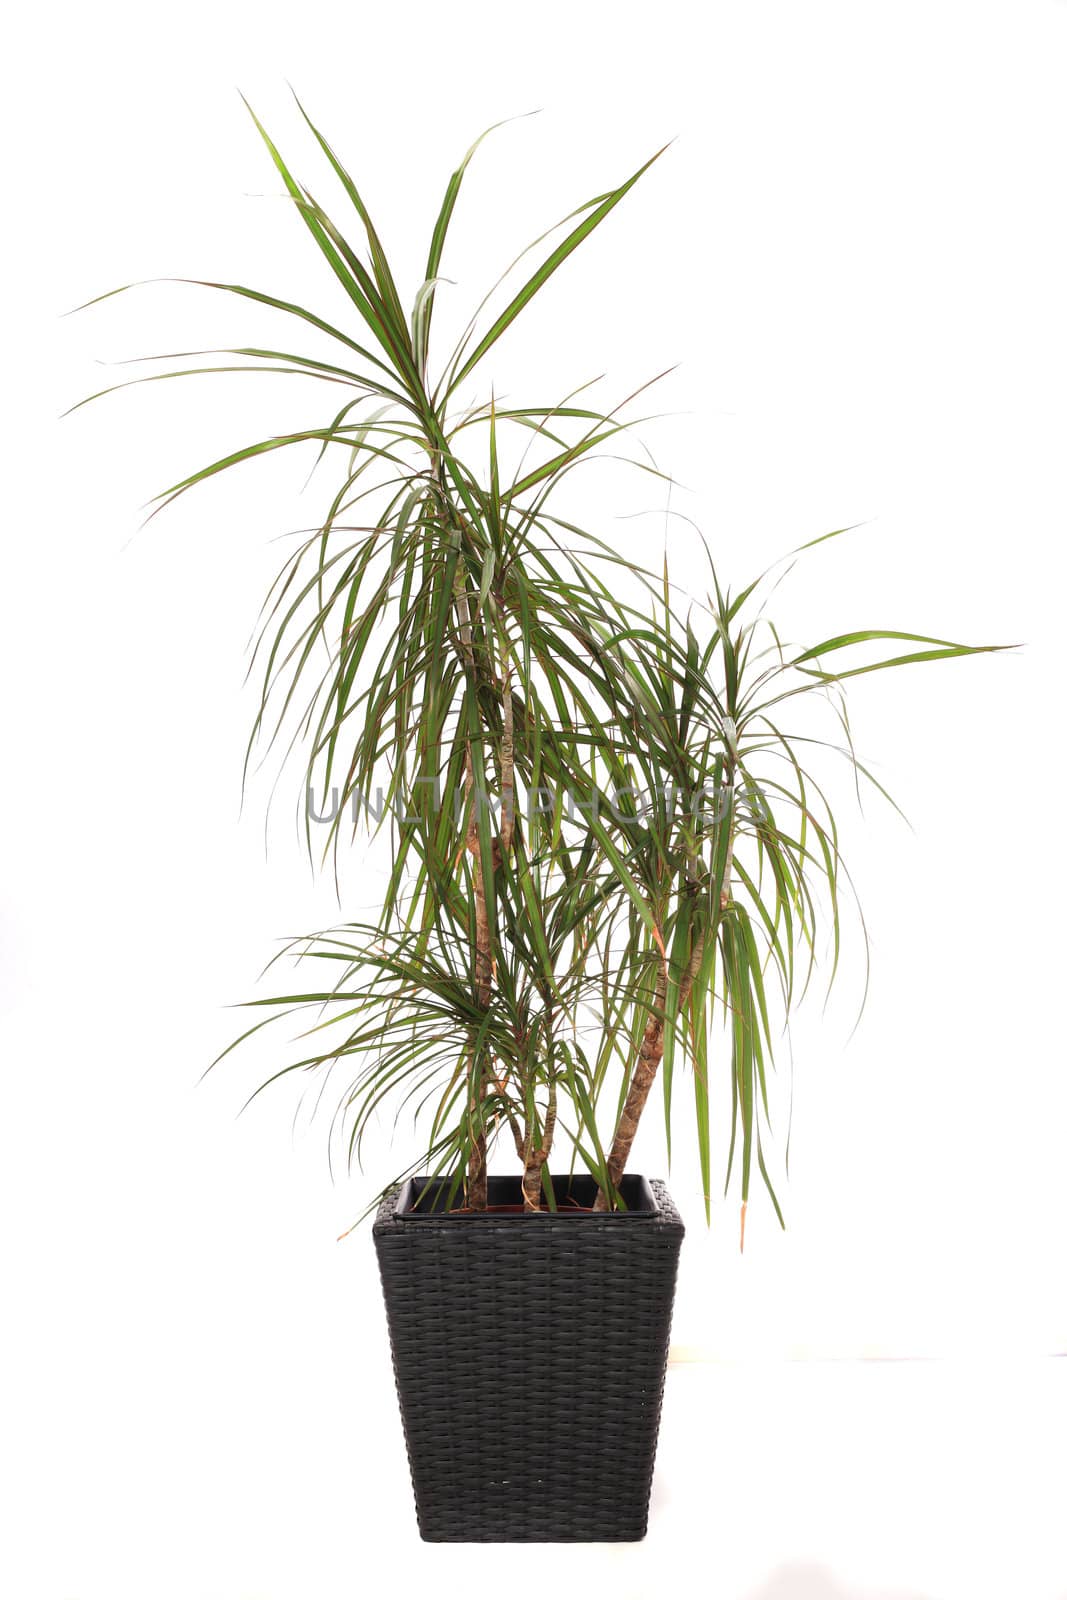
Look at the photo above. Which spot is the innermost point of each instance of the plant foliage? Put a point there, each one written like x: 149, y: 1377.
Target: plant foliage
x: 610, y: 854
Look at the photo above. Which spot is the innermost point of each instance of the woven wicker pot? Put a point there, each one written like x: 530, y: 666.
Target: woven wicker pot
x: 530, y: 1353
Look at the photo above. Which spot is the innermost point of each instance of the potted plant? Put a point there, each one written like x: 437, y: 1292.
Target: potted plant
x: 608, y: 847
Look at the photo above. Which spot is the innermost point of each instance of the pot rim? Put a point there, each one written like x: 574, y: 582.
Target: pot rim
x: 637, y: 1192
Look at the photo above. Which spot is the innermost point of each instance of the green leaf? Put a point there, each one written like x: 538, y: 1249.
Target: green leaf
x: 548, y: 267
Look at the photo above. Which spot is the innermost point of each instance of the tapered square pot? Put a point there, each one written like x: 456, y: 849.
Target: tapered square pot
x: 530, y: 1352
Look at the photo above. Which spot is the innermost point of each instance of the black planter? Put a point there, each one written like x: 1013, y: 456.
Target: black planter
x: 530, y: 1352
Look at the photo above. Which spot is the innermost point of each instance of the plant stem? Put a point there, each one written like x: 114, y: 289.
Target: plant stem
x: 648, y: 1059
x: 477, y: 1174
x: 651, y: 1052
x: 534, y: 1159
x: 507, y: 770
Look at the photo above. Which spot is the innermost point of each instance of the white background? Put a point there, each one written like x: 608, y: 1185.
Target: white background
x: 856, y: 253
